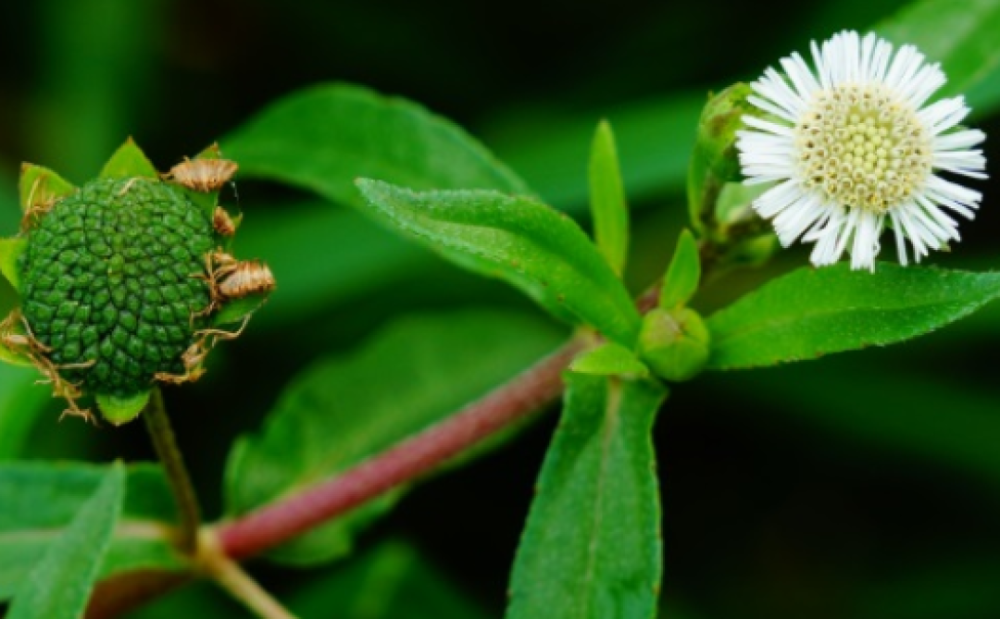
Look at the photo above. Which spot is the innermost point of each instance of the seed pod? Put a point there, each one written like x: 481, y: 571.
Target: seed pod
x: 203, y: 175
x: 249, y: 277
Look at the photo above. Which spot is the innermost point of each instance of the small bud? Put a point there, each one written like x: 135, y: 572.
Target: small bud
x: 715, y: 161
x: 674, y: 343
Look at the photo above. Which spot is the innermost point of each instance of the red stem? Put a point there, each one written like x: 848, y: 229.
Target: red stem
x: 277, y: 523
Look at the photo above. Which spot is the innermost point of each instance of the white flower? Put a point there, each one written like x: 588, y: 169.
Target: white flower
x: 850, y: 144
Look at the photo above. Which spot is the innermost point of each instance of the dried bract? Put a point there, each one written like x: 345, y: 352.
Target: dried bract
x: 203, y: 175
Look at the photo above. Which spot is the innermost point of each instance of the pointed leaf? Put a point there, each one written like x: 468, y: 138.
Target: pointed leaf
x: 59, y: 584
x: 607, y: 199
x: 591, y: 548
x: 610, y: 359
x: 238, y: 309
x: 809, y: 313
x: 323, y: 138
x: 119, y: 410
x: 10, y: 250
x: 403, y: 381
x: 524, y: 242
x: 129, y: 161
x: 683, y: 275
x: 40, y: 186
x: 41, y: 499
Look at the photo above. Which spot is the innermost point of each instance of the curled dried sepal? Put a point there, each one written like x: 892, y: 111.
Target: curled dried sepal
x: 203, y: 175
x: 224, y: 225
x: 39, y: 189
x: 229, y: 279
x: 21, y: 347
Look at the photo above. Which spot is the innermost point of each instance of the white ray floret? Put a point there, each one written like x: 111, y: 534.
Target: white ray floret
x: 849, y: 145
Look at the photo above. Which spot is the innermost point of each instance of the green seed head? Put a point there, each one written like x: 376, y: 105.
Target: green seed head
x: 125, y: 282
x: 112, y: 277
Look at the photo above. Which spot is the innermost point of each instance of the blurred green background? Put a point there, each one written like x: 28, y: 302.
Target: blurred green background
x: 862, y: 485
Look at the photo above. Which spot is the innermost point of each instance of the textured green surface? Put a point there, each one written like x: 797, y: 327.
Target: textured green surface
x: 40, y: 500
x: 607, y: 199
x: 812, y: 312
x: 592, y: 548
x: 58, y: 586
x: 528, y: 244
x: 343, y: 410
x: 108, y: 278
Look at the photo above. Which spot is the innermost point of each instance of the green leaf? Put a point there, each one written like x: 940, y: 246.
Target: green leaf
x: 610, y: 359
x: 59, y: 585
x: 344, y: 410
x: 21, y: 401
x: 10, y: 249
x: 237, y: 310
x: 324, y: 137
x: 16, y: 353
x: 129, y: 161
x: 808, y: 312
x: 40, y: 186
x: 607, y: 199
x: 960, y: 34
x: 592, y: 547
x: 119, y: 409
x: 535, y: 248
x: 683, y: 275
x: 40, y: 500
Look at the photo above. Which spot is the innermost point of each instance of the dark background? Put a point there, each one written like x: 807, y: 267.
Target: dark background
x: 862, y: 485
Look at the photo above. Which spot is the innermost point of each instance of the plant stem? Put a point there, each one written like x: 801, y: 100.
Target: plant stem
x: 277, y: 523
x: 158, y: 424
x: 228, y: 574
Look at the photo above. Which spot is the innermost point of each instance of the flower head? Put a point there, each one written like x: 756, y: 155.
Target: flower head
x: 850, y: 144
x: 124, y: 282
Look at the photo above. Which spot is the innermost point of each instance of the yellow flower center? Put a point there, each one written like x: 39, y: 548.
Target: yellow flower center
x: 862, y: 146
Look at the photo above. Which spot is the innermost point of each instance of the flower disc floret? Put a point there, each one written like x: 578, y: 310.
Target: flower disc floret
x: 110, y: 282
x: 850, y: 145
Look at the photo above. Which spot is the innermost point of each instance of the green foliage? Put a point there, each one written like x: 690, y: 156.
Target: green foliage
x: 607, y: 199
x: 683, y: 275
x: 344, y: 410
x: 812, y: 312
x: 41, y: 187
x: 530, y: 245
x: 42, y: 501
x: 325, y: 137
x: 58, y: 586
x: 591, y: 547
x: 10, y: 250
x: 129, y: 162
x: 609, y: 359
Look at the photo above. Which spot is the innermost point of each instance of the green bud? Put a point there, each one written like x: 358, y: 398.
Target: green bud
x: 714, y: 161
x: 674, y: 343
